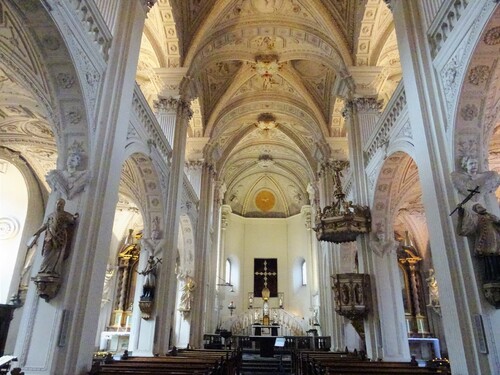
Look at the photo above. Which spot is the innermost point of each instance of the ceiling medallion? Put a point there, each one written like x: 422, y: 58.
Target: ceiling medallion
x: 265, y: 200
x: 343, y: 221
x: 265, y: 161
x: 266, y: 66
x: 266, y: 121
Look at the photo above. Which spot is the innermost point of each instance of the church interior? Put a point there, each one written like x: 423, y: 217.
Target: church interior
x: 196, y: 173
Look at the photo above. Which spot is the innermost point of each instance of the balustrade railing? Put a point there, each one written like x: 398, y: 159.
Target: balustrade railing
x: 93, y: 24
x: 290, y: 324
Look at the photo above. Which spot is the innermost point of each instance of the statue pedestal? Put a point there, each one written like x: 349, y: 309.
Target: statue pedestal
x: 47, y: 285
x: 492, y: 294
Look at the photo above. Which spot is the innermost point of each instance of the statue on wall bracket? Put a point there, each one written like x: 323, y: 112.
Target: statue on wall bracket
x: 476, y: 223
x: 146, y: 301
x: 58, y: 230
x: 483, y: 229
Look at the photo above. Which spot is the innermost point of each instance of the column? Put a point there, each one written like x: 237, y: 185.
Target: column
x: 58, y: 337
x: 194, y: 169
x: 332, y: 323
x: 166, y: 112
x: 390, y: 308
x: 450, y: 256
x: 206, y: 257
x: 360, y: 196
x: 167, y: 282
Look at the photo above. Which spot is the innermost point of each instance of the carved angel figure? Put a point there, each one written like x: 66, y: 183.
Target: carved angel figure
x: 468, y: 178
x: 71, y: 181
x: 379, y: 243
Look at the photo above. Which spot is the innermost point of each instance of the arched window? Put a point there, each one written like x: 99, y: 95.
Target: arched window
x: 304, y: 273
x: 227, y: 279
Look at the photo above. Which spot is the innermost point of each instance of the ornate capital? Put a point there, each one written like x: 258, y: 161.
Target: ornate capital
x: 347, y: 110
x: 186, y: 110
x: 166, y: 105
x: 368, y: 104
x: 194, y: 164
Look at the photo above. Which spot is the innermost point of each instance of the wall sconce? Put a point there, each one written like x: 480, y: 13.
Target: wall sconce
x: 231, y: 307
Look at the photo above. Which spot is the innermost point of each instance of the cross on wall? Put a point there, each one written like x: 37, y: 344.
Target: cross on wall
x: 266, y: 273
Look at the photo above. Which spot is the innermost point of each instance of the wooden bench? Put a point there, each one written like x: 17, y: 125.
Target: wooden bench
x: 324, y: 363
x: 202, y: 362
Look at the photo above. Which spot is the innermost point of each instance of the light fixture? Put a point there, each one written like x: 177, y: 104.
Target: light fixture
x: 343, y: 221
x: 231, y: 307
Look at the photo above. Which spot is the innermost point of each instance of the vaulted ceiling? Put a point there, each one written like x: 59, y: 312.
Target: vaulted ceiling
x: 270, y: 77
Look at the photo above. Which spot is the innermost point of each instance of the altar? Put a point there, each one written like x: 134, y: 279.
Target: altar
x: 266, y: 330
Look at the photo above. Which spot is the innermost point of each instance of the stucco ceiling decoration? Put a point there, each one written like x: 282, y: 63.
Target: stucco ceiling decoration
x: 478, y: 112
x: 284, y: 59
x: 24, y: 127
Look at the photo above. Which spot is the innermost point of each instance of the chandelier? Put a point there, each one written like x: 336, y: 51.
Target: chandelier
x: 343, y: 221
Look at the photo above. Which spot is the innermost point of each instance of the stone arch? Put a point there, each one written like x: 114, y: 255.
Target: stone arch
x: 141, y: 180
x: 46, y: 75
x: 477, y: 112
x: 397, y: 203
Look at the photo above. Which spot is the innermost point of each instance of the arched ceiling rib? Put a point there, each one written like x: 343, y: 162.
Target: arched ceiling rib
x: 288, y: 60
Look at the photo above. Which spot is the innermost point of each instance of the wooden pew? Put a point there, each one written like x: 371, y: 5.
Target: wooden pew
x: 202, y: 362
x: 324, y: 363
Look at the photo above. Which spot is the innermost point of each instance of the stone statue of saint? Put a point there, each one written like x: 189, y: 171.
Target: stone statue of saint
x: 150, y: 272
x: 187, y: 293
x: 58, y: 233
x: 484, y: 229
x: 433, y: 289
x: 469, y: 178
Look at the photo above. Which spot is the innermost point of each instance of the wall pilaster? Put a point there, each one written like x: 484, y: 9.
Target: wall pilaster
x: 452, y: 262
x: 167, y: 282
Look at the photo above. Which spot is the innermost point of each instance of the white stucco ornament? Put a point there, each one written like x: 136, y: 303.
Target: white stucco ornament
x: 9, y: 228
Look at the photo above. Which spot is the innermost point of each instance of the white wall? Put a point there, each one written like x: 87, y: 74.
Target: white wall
x: 13, y: 210
x: 284, y: 239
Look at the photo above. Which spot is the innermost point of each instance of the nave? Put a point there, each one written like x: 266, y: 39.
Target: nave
x: 172, y: 170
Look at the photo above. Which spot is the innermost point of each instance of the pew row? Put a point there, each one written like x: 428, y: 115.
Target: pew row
x: 189, y: 361
x: 338, y: 363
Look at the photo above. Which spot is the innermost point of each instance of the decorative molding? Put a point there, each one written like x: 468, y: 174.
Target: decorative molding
x: 9, y: 228
x: 368, y: 104
x: 93, y: 24
x: 150, y: 124
x: 445, y: 22
x: 386, y: 123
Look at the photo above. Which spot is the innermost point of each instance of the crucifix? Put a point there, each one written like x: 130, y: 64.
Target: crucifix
x: 265, y: 276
